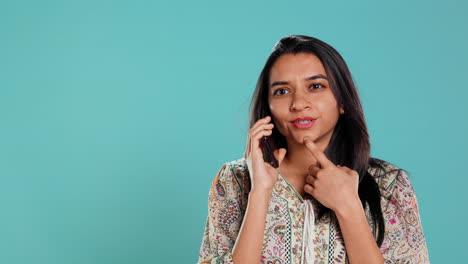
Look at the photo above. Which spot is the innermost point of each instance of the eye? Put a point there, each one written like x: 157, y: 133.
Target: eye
x: 314, y: 85
x: 276, y: 91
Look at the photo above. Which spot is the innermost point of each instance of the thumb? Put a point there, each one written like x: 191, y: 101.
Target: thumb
x: 280, y: 154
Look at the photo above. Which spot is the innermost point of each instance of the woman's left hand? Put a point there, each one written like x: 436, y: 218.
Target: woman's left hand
x: 333, y: 186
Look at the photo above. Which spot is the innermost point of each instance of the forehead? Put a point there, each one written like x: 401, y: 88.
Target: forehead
x: 289, y: 67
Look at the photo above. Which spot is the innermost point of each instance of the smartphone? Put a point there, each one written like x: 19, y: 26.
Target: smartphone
x: 268, y: 147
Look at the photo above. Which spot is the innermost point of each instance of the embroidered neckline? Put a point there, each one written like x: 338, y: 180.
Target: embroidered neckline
x: 298, y: 195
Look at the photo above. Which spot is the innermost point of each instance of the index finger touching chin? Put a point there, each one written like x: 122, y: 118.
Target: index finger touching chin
x: 318, y: 154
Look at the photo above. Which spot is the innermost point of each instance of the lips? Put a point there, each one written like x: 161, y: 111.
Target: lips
x: 303, y: 119
x: 304, y: 124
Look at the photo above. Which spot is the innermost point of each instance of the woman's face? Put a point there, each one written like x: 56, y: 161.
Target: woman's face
x: 298, y: 87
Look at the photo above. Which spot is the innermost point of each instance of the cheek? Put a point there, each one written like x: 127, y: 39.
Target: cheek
x: 328, y: 107
x: 279, y: 117
x: 276, y: 113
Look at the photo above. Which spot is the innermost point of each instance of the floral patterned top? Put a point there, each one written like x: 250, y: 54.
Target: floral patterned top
x: 291, y: 226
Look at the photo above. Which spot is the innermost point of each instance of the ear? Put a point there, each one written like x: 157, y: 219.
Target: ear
x: 341, y: 109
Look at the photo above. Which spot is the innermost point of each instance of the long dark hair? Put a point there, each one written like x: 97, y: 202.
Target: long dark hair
x: 349, y: 145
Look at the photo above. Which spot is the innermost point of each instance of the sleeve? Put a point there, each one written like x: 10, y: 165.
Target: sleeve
x: 224, y: 218
x: 404, y: 240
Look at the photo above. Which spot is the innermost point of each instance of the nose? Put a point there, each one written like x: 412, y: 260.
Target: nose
x: 299, y: 102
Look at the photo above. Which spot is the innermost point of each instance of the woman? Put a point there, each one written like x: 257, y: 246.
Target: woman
x: 328, y: 201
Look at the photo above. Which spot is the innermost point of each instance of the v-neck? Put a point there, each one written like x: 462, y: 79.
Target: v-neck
x: 294, y: 190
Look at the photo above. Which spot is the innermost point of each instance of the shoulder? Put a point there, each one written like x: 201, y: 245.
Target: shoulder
x: 388, y: 176
x: 404, y: 240
x: 232, y: 177
x: 240, y: 172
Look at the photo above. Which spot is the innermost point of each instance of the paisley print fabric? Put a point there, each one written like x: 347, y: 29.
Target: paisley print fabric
x: 291, y: 227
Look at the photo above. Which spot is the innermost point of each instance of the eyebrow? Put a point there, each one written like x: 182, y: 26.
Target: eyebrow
x: 313, y: 77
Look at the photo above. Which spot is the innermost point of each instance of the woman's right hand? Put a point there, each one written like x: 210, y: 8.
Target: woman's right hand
x: 263, y: 176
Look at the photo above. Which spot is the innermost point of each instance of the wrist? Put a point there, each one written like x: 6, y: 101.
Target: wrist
x: 266, y: 192
x: 349, y: 208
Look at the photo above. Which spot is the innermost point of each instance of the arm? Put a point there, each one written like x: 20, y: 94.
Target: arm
x: 360, y: 244
x: 404, y: 237
x: 248, y: 248
x: 223, y: 225
x: 223, y: 221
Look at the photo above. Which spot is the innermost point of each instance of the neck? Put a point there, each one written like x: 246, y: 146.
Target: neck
x: 298, y: 157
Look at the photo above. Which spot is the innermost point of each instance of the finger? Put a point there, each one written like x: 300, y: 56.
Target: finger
x: 259, y: 127
x: 247, y: 148
x: 318, y: 154
x: 313, y: 169
x: 310, y: 179
x: 253, y: 130
x: 255, y: 142
x: 280, y: 154
x: 260, y: 122
x: 309, y: 188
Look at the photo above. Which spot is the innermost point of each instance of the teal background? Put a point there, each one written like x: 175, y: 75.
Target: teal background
x: 116, y: 115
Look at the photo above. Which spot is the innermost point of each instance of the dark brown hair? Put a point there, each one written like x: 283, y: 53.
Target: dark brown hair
x: 349, y: 145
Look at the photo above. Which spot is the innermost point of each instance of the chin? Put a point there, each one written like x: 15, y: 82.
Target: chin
x: 300, y: 138
x: 312, y: 137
